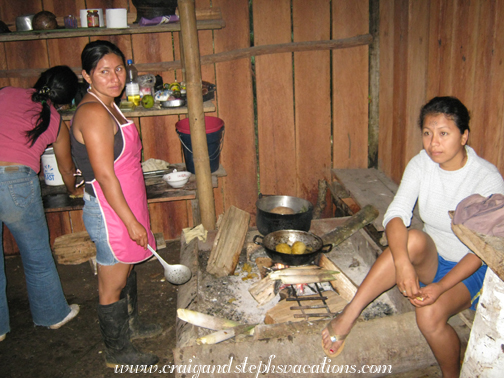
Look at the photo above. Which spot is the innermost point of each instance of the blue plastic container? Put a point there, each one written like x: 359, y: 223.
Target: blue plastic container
x: 215, y: 137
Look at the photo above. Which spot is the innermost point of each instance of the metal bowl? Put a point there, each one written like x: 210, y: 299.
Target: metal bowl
x: 24, y: 23
x: 173, y: 103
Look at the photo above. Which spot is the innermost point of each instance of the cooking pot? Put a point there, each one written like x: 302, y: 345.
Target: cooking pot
x: 268, y: 222
x: 314, y: 246
x: 24, y: 23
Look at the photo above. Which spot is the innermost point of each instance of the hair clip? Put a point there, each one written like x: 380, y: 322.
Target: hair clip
x: 45, y: 90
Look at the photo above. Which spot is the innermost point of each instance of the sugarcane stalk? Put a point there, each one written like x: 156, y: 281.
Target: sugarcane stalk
x: 290, y: 280
x: 206, y: 321
x: 300, y: 272
x: 226, y: 334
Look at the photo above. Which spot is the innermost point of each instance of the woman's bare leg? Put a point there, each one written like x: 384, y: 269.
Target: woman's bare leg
x: 382, y: 277
x: 111, y: 280
x: 441, y: 337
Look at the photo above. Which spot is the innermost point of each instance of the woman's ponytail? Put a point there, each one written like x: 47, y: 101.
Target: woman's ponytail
x: 57, y: 85
x: 42, y: 123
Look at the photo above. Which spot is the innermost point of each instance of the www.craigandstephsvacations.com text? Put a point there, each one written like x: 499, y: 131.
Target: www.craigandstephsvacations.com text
x: 260, y: 368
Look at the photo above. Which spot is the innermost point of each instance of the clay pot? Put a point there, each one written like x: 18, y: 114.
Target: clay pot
x: 154, y: 8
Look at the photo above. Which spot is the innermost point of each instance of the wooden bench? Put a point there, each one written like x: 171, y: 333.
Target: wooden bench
x: 356, y: 188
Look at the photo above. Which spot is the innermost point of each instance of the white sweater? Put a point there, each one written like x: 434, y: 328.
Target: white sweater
x: 439, y: 191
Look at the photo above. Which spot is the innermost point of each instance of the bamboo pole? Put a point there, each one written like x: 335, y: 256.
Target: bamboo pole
x: 192, y: 66
x: 226, y: 56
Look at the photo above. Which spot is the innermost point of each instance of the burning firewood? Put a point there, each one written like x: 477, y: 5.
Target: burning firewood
x: 265, y: 290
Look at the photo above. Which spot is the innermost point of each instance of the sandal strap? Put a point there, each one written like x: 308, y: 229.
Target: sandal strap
x: 334, y: 336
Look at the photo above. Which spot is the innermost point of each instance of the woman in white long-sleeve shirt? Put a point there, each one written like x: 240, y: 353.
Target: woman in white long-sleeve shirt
x: 432, y: 268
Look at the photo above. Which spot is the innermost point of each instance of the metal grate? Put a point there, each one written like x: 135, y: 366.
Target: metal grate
x: 320, y: 297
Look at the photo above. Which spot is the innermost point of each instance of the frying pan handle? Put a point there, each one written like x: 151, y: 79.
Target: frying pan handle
x: 261, y: 195
x: 257, y: 237
x: 329, y: 246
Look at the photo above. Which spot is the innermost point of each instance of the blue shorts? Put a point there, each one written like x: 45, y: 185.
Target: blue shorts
x: 474, y: 282
x: 95, y: 226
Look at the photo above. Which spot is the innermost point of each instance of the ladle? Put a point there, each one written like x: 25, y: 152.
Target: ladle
x: 177, y: 274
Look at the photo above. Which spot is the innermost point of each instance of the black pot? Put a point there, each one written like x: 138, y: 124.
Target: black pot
x: 150, y: 9
x: 268, y: 222
x: 312, y: 241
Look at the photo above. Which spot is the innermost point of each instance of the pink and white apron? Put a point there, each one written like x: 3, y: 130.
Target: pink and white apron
x: 128, y: 170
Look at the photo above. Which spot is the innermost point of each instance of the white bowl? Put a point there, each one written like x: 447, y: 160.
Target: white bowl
x: 177, y: 179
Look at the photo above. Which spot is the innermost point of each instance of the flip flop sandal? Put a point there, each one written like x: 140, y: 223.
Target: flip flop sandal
x: 334, y: 338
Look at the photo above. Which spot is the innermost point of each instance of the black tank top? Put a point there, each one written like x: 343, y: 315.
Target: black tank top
x: 81, y: 157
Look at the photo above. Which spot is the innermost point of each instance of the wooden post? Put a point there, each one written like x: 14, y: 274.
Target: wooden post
x: 192, y: 66
x: 181, y: 47
x: 484, y: 356
x: 374, y: 83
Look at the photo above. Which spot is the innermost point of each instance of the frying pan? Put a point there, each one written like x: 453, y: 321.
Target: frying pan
x: 314, y: 246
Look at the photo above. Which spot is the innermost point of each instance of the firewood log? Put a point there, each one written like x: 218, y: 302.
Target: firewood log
x: 357, y: 221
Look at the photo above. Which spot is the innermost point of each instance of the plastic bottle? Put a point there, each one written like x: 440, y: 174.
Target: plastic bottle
x: 131, y: 72
x: 132, y: 87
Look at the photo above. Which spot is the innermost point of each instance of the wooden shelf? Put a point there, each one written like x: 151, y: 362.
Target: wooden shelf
x: 32, y: 35
x: 56, y: 199
x: 208, y: 106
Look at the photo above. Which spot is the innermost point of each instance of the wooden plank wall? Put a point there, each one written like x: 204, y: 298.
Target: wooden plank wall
x: 439, y: 48
x: 312, y: 100
x: 236, y: 107
x: 309, y: 114
x: 350, y: 86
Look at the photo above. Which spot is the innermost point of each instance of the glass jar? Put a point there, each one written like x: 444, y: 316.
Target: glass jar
x: 93, y: 19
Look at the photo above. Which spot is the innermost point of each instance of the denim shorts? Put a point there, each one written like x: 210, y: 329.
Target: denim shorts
x: 95, y: 226
x: 474, y: 282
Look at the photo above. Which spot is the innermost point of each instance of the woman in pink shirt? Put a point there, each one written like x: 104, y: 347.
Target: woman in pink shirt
x: 29, y: 122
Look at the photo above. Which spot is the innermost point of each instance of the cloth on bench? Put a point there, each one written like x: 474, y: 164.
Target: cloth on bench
x: 482, y: 214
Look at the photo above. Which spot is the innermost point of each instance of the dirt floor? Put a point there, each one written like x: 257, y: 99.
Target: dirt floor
x: 75, y: 350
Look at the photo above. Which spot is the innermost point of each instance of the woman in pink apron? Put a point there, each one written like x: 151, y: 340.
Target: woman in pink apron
x: 107, y: 149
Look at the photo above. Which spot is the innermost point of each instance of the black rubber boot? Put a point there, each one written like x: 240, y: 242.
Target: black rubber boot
x: 138, y: 330
x: 114, y: 327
